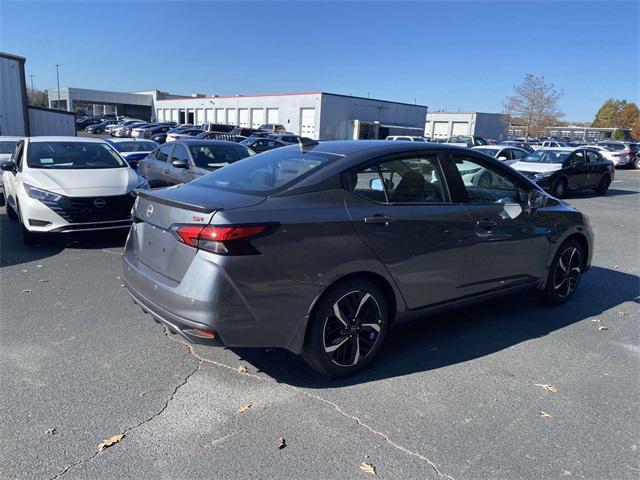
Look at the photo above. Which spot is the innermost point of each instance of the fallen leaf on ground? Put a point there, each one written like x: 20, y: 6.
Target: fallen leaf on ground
x: 596, y: 320
x: 243, y: 369
x: 110, y: 441
x: 548, y: 388
x: 52, y: 431
x: 67, y: 339
x: 27, y: 290
x: 25, y: 271
x: 38, y: 266
x: 622, y: 314
x: 615, y: 266
x: 121, y: 285
x: 544, y: 415
x: 142, y: 394
x: 281, y: 443
x: 368, y: 468
x: 44, y: 280
x: 602, y: 328
x: 243, y: 408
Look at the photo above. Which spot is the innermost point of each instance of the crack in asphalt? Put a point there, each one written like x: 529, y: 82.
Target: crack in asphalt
x: 336, y: 407
x: 147, y: 420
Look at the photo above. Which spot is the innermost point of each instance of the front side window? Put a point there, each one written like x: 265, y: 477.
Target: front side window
x: 518, y: 154
x: 180, y: 153
x: 411, y: 180
x: 593, y: 156
x: 486, y: 184
x: 72, y: 155
x: 163, y: 153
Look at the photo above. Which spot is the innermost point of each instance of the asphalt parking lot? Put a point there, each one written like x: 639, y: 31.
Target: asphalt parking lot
x: 509, y: 389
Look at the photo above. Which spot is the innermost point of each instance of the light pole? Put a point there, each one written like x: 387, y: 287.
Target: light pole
x: 32, y: 92
x: 58, y: 78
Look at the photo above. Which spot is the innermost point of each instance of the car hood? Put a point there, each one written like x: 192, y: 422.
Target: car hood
x: 84, y: 183
x: 536, y: 167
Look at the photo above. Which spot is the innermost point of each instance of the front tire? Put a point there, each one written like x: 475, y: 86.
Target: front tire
x: 603, y: 186
x: 559, y: 188
x: 346, y: 329
x: 565, y: 273
x: 636, y: 162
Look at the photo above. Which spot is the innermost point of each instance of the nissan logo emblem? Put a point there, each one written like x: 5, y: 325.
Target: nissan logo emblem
x: 99, y: 202
x: 149, y: 210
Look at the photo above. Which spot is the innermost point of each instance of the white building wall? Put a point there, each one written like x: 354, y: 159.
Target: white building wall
x: 12, y: 97
x: 486, y: 125
x: 246, y: 111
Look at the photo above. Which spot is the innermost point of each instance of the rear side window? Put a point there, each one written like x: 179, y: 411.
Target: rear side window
x: 411, y: 180
x: 593, y: 156
x: 211, y: 156
x: 162, y: 153
x: 267, y: 173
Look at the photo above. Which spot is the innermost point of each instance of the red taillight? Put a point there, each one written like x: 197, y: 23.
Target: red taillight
x: 227, y: 240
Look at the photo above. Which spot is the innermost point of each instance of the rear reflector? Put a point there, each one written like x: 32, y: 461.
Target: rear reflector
x: 227, y: 240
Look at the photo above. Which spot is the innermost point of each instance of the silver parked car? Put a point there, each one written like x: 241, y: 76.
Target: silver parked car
x: 184, y: 160
x: 320, y: 248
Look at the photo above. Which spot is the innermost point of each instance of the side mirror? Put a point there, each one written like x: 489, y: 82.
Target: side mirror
x: 536, y: 199
x: 180, y: 163
x: 376, y: 184
x: 7, y: 166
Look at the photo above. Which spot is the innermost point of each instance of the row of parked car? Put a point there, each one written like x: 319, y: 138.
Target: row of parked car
x: 317, y: 247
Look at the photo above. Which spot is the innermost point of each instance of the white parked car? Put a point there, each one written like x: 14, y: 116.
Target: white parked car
x: 505, y: 153
x: 405, y: 138
x: 7, y: 146
x: 68, y: 184
x: 111, y: 129
x: 606, y: 153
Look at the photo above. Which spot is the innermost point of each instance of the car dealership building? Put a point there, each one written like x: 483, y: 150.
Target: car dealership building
x: 318, y: 115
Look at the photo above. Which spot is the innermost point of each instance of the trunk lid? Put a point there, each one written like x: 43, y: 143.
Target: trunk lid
x: 152, y: 239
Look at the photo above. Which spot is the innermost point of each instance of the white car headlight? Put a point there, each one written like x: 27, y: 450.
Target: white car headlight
x: 42, y: 195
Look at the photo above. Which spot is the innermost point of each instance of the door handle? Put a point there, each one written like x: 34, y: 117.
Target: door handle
x: 379, y: 219
x: 486, y: 223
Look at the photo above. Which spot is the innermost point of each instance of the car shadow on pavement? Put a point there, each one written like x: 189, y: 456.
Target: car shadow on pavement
x: 462, y: 335
x: 612, y: 192
x: 14, y: 252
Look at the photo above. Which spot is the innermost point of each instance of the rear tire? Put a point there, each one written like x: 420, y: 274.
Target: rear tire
x: 346, y: 329
x: 11, y: 213
x: 559, y: 189
x: 564, y: 274
x: 636, y: 162
x: 603, y: 186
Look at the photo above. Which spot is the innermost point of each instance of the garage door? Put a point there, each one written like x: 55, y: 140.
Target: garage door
x: 232, y: 116
x: 220, y: 116
x: 272, y: 115
x: 160, y: 114
x: 440, y: 129
x: 257, y: 117
x: 208, y: 115
x: 460, y: 128
x: 199, y: 116
x: 308, y: 122
x: 244, y: 117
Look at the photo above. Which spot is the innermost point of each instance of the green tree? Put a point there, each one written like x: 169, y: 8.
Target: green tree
x: 628, y: 116
x: 38, y: 98
x: 607, y: 116
x: 536, y: 102
x: 618, y: 134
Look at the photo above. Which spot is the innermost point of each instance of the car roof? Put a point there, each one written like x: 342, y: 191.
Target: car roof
x: 558, y: 149
x: 133, y: 139
x: 203, y: 141
x: 65, y: 139
x: 10, y: 139
x: 349, y: 147
x: 493, y: 147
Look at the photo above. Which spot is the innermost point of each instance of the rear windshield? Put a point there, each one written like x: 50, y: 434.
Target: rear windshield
x: 268, y: 172
x: 7, y: 146
x: 546, y: 156
x: 614, y: 146
x: 211, y: 156
x: 72, y: 155
x: 141, y: 146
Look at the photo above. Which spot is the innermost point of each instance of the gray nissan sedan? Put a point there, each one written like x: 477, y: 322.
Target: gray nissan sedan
x: 320, y: 248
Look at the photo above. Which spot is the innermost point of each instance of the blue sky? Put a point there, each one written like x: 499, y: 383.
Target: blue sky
x: 447, y: 55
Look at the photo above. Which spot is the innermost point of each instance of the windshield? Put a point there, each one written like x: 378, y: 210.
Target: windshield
x: 7, y: 146
x: 72, y: 155
x: 546, y: 156
x: 211, y: 156
x: 135, y: 146
x: 488, y: 151
x: 268, y: 172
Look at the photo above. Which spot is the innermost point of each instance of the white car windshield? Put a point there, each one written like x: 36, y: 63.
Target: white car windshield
x: 72, y: 155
